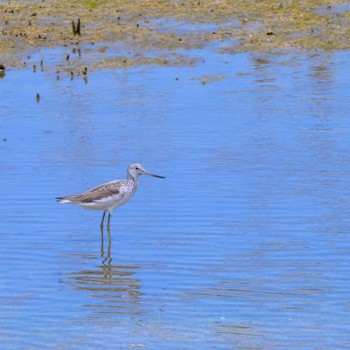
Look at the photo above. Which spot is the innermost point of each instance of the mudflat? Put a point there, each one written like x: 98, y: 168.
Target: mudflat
x: 160, y: 32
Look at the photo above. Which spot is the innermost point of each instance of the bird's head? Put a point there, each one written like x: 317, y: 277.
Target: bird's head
x: 136, y: 170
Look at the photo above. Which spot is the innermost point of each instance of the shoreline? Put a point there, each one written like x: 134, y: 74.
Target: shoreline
x: 154, y: 32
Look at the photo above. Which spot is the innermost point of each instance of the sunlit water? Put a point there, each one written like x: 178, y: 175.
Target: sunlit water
x: 244, y: 245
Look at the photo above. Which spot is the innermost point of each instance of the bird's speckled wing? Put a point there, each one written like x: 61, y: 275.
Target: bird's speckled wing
x: 110, y: 189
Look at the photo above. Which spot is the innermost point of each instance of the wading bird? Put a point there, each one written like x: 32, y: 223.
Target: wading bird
x: 110, y: 195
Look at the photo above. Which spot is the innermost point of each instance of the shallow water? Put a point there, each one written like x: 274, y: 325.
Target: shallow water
x: 245, y: 245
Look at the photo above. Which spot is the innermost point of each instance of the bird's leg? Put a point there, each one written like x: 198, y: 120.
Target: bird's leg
x: 102, y: 241
x: 109, y: 221
x: 109, y: 247
x: 103, y: 217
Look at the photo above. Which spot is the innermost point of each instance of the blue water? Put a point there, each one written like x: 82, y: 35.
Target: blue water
x: 244, y: 245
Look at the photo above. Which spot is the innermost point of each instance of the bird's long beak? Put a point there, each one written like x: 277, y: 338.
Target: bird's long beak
x: 150, y: 174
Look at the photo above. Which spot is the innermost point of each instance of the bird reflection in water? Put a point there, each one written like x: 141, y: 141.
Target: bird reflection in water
x: 112, y: 287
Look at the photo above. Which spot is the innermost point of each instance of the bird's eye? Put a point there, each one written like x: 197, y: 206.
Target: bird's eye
x: 137, y: 168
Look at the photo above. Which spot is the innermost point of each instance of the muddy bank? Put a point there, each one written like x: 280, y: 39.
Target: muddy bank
x: 123, y: 34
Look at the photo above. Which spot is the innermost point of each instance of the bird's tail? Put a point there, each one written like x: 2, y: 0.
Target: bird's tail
x: 63, y: 199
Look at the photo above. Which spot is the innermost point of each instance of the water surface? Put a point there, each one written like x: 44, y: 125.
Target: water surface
x: 245, y: 245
